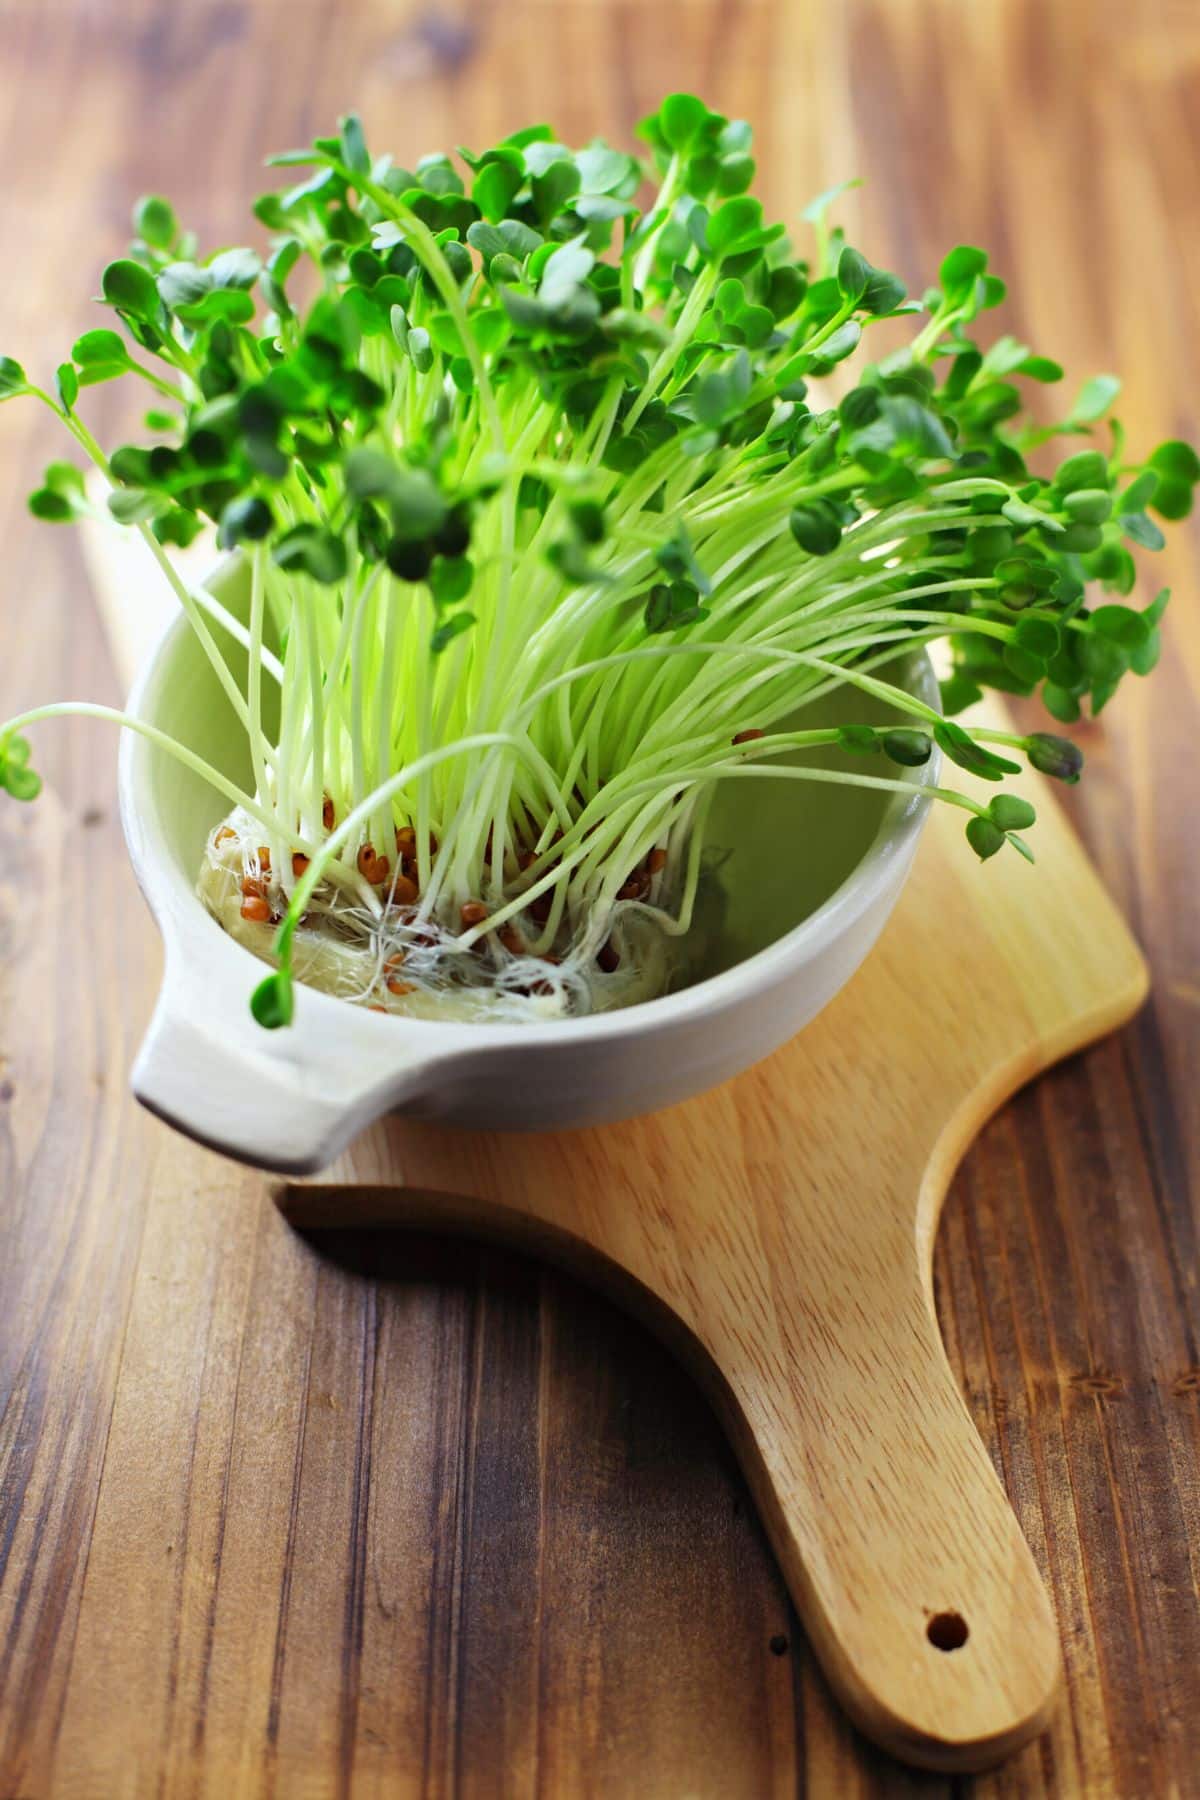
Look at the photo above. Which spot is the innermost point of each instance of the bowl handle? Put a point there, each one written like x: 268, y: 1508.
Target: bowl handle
x: 288, y: 1100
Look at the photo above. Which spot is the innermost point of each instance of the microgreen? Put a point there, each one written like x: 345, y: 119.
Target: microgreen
x: 552, y: 523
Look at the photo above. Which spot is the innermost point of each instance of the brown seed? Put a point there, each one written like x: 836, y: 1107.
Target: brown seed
x: 748, y: 736
x: 636, y: 887
x: 406, y: 843
x: 253, y: 888
x: 395, y: 961
x: 404, y: 891
x: 327, y: 813
x: 473, y: 912
x: 372, y: 868
x: 223, y: 836
x: 299, y: 864
x: 255, y: 908
x: 608, y: 956
x: 399, y: 987
x: 657, y: 861
x: 512, y: 940
x: 374, y: 1008
x: 264, y: 859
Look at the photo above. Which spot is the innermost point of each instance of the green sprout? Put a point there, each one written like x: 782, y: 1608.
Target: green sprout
x: 558, y: 504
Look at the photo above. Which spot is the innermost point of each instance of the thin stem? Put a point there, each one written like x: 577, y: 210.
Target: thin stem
x: 88, y: 709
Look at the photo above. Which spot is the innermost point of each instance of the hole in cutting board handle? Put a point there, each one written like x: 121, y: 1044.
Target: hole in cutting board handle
x: 947, y: 1631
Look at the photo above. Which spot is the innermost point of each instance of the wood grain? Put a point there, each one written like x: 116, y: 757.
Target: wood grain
x: 510, y: 1550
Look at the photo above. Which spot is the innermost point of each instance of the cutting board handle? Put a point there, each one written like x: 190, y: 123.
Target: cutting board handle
x: 914, y: 1581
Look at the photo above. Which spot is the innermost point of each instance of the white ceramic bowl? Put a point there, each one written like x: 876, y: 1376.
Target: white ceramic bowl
x: 291, y: 1100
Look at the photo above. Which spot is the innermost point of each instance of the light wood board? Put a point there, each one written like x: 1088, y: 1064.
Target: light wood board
x: 780, y: 1232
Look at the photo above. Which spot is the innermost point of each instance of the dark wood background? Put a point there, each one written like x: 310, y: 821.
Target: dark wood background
x: 512, y: 1554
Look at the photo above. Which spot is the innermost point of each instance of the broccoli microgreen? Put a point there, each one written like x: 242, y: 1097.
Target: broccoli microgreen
x: 552, y: 524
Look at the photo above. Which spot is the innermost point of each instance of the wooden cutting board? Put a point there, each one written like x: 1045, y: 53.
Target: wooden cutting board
x: 779, y: 1232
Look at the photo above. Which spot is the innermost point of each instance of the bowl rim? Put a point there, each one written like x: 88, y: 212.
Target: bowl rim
x: 165, y: 887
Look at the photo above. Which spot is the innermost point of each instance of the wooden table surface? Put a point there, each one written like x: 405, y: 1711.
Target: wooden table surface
x: 514, y: 1555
